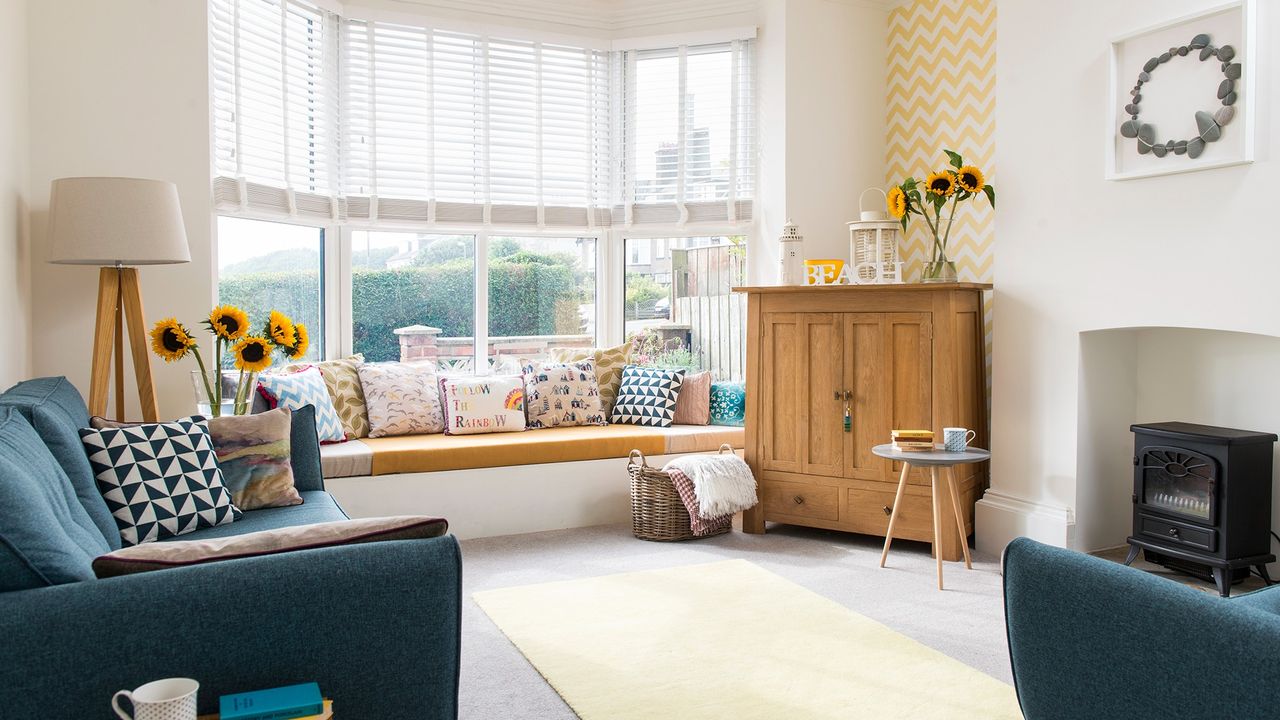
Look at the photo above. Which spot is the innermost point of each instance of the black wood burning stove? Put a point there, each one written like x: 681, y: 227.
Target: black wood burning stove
x: 1202, y: 500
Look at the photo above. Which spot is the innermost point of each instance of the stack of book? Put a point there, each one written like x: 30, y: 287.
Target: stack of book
x: 292, y: 702
x: 913, y: 440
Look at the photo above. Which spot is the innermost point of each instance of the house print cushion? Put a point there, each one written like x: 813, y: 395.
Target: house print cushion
x: 402, y: 398
x: 562, y: 394
x: 647, y: 396
x: 609, y: 365
x: 475, y: 405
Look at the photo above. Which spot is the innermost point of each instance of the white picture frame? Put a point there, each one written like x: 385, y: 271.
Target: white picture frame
x: 1164, y: 104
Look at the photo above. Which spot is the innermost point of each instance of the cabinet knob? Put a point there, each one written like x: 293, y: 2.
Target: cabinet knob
x: 836, y: 394
x: 888, y: 510
x: 1173, y: 532
x: 799, y: 499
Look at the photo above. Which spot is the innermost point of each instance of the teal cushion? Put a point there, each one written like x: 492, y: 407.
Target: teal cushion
x: 317, y: 507
x: 728, y: 403
x: 46, y: 537
x: 56, y: 410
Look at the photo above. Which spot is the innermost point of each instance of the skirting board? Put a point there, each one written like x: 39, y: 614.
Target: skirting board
x: 1000, y: 518
x: 487, y: 502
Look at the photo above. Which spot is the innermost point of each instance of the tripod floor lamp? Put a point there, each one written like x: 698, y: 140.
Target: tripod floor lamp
x: 118, y: 224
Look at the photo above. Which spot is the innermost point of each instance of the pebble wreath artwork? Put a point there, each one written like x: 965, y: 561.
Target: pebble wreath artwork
x: 1208, y: 125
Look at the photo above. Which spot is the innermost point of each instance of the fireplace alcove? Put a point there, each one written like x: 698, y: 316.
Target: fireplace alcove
x: 1153, y: 374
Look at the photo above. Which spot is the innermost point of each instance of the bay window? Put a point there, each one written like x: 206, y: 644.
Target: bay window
x: 485, y: 196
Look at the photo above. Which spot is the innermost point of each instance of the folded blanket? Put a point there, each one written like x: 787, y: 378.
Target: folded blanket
x: 700, y: 527
x: 723, y: 483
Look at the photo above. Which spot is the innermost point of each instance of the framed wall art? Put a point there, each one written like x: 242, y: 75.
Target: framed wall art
x: 1182, y: 94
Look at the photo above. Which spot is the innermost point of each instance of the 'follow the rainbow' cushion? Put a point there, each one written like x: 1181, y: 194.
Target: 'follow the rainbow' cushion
x: 475, y: 405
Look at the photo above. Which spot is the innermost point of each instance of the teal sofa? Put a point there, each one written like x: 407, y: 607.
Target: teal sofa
x: 1089, y: 638
x: 376, y: 625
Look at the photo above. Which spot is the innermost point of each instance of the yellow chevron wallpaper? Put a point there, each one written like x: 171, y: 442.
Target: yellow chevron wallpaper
x: 942, y: 95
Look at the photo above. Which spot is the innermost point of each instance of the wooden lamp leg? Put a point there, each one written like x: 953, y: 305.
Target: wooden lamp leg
x: 131, y: 292
x: 107, y: 318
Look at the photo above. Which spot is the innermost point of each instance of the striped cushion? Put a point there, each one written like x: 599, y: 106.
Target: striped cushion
x: 298, y: 390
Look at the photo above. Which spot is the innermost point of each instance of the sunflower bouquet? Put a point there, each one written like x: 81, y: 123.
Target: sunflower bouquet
x: 929, y: 199
x: 250, y: 353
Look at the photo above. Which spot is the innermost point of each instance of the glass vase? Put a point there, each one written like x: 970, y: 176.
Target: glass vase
x: 939, y: 271
x: 237, y: 392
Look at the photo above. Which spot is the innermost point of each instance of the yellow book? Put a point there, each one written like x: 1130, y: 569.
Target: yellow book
x: 326, y: 714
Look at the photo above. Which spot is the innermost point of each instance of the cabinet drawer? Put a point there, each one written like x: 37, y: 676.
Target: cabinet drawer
x: 820, y: 502
x: 869, y: 512
x: 1176, y: 533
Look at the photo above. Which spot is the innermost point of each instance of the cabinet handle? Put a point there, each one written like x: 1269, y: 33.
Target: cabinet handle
x: 799, y: 499
x: 888, y: 510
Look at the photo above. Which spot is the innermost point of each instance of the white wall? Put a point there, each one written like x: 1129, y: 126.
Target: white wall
x: 119, y: 88
x: 15, y: 195
x: 1076, y: 252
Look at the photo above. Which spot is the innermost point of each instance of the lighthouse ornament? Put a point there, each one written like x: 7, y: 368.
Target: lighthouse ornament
x: 791, y: 256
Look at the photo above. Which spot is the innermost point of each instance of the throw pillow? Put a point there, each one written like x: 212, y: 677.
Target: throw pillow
x: 647, y: 396
x: 254, y: 455
x: 609, y: 365
x: 306, y: 387
x: 728, y: 403
x: 562, y: 394
x: 474, y: 405
x: 158, y: 556
x: 402, y: 399
x: 342, y: 380
x: 159, y: 479
x: 692, y: 404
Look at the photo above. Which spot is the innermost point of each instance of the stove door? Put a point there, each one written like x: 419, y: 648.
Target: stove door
x: 1179, y: 482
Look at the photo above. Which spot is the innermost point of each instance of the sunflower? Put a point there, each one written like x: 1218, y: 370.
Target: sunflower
x: 279, y: 329
x: 170, y: 340
x: 941, y: 183
x: 897, y: 201
x: 301, y: 341
x: 228, y: 322
x: 970, y: 179
x: 252, y: 354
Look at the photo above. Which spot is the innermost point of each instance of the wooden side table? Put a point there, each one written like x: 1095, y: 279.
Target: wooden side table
x: 938, y: 459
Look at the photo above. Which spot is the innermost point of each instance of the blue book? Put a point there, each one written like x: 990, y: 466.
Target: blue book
x: 282, y: 703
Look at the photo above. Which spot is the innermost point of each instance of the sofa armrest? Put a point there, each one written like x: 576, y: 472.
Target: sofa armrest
x: 1090, y: 638
x: 376, y: 625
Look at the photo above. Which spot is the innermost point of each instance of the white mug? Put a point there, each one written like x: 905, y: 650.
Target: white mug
x: 168, y: 699
x: 957, y: 439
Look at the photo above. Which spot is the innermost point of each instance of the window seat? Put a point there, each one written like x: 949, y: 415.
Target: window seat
x: 434, y: 453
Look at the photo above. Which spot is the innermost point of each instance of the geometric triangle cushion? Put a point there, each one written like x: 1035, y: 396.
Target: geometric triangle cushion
x: 647, y: 396
x: 159, y: 479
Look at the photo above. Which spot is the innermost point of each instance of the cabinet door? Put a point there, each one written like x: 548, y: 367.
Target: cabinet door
x: 822, y: 420
x: 864, y: 377
x: 909, y: 374
x: 781, y: 363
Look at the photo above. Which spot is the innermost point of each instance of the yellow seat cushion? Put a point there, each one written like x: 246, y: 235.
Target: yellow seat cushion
x: 434, y: 453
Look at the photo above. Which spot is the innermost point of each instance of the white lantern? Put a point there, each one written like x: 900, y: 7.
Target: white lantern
x: 873, y: 246
x: 791, y: 256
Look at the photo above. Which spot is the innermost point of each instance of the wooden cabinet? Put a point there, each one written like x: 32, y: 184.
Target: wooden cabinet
x: 890, y: 356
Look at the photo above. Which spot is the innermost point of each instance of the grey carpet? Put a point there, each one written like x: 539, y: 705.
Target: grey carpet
x: 965, y: 621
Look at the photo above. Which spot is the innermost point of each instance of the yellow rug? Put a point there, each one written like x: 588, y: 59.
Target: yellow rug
x: 730, y: 640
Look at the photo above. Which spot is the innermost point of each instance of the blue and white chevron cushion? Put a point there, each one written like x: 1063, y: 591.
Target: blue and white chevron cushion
x: 647, y: 396
x: 299, y: 389
x: 159, y: 479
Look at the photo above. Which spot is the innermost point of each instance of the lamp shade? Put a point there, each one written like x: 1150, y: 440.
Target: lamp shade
x: 116, y: 221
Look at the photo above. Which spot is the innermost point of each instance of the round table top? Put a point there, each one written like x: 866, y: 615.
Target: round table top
x: 937, y: 457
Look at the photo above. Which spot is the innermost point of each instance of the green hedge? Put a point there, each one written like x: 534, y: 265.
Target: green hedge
x: 526, y: 298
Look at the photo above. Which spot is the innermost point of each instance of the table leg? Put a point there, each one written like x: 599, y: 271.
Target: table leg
x: 934, y: 479
x: 955, y: 506
x: 893, y: 516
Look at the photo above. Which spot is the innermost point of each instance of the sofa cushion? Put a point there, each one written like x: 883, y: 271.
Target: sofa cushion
x: 179, y: 553
x: 317, y: 507
x: 54, y: 407
x: 562, y: 395
x: 46, y: 536
x: 401, y: 398
x: 694, y: 401
x: 304, y: 450
x: 343, y: 381
x: 609, y: 364
x: 253, y: 453
x: 647, y: 396
x: 159, y: 479
x: 305, y: 388
x: 728, y: 403
x: 484, y: 404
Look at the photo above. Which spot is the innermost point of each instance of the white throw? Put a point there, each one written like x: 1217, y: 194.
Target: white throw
x: 723, y: 484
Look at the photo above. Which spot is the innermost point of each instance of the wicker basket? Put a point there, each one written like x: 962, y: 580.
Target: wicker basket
x: 656, y: 510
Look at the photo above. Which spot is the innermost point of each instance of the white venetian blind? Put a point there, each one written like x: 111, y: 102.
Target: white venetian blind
x: 320, y: 116
x: 689, y: 134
